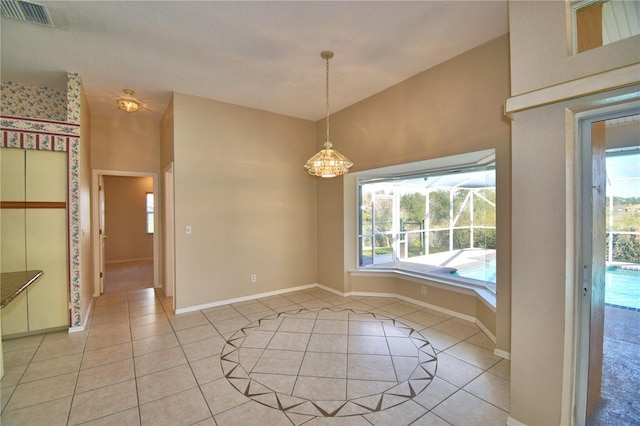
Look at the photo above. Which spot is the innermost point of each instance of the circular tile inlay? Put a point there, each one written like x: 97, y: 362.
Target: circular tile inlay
x: 328, y: 362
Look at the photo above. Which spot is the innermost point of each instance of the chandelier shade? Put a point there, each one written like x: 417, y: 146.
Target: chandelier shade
x: 127, y: 103
x: 328, y: 162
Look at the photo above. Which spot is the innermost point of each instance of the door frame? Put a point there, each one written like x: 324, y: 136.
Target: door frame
x: 95, y: 217
x: 169, y: 234
x: 582, y: 281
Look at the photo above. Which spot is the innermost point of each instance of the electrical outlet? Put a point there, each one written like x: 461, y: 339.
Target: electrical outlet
x: 187, y: 229
x: 253, y: 278
x: 423, y: 290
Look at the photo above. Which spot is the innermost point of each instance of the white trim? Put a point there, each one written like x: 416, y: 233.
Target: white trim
x: 243, y: 299
x: 502, y: 354
x: 456, y: 286
x: 513, y: 422
x: 583, y: 86
x: 95, y: 217
x: 85, y: 323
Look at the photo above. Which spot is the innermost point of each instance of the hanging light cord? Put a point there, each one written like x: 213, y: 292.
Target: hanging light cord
x: 327, y: 99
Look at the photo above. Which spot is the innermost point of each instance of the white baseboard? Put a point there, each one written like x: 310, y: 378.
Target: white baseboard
x: 83, y: 327
x: 502, y: 354
x: 513, y: 422
x: 244, y: 298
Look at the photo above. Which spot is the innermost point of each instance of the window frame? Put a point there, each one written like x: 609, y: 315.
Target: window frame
x: 150, y: 215
x: 481, y: 160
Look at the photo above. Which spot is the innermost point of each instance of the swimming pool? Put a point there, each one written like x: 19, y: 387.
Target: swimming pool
x: 622, y: 286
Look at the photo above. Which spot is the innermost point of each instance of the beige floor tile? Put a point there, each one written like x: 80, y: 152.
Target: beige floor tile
x: 372, y: 345
x: 366, y: 328
x: 289, y: 341
x: 194, y: 334
x: 147, y: 319
x: 53, y: 412
x: 481, y: 339
x: 165, y: 383
x: 437, y: 391
x: 58, y: 349
x: 423, y: 318
x: 370, y: 367
x: 402, y: 346
x: 149, y: 330
x: 299, y: 296
x: 315, y: 304
x: 22, y: 343
x: 320, y: 388
x: 52, y: 367
x: 221, y: 396
x: 399, y: 309
x: 103, y: 402
x: 206, y: 422
x: 155, y: 343
x: 456, y: 329
x: 275, y: 301
x: 130, y: 417
x: 221, y: 313
x: 19, y: 357
x: 320, y: 364
x: 492, y: 389
x: 361, y: 388
x: 474, y: 355
x: 207, y: 369
x: 203, y: 348
x: 252, y: 413
x: 402, y: 414
x: 120, y: 314
x: 184, y: 408
x: 188, y: 320
x: 476, y: 411
x: 439, y: 340
x: 258, y: 339
x: 276, y: 382
x: 106, y: 340
x: 250, y: 307
x: 297, y: 325
x: 5, y: 395
x: 43, y: 390
x: 455, y: 371
x: 230, y: 325
x: 107, y: 355
x: 12, y: 375
x: 331, y: 326
x: 112, y: 327
x: 502, y: 369
x: 153, y: 308
x: 328, y: 343
x: 105, y: 375
x: 430, y: 419
x: 279, y: 362
x: 159, y: 360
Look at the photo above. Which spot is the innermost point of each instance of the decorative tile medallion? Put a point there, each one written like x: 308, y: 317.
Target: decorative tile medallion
x: 328, y: 362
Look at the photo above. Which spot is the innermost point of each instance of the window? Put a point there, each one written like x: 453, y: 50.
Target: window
x: 150, y: 213
x: 601, y: 22
x: 437, y: 223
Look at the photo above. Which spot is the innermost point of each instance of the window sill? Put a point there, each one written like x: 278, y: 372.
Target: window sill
x: 459, y: 285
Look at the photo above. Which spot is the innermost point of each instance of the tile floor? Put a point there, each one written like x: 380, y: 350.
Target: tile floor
x: 307, y: 357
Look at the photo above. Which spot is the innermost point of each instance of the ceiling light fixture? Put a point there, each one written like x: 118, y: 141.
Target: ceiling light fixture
x: 328, y: 162
x: 127, y: 103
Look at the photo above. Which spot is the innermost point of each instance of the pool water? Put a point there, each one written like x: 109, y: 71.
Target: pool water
x: 622, y: 286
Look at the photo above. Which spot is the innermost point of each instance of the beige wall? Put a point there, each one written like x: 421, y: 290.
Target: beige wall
x: 453, y: 108
x: 544, y: 250
x: 124, y: 144
x: 125, y: 218
x: 540, y: 43
x: 240, y: 185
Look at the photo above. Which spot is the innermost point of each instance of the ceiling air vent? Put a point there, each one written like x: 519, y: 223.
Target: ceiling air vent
x: 26, y: 11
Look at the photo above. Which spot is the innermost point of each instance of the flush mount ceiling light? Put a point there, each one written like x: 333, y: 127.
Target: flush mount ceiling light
x: 328, y: 162
x: 127, y: 103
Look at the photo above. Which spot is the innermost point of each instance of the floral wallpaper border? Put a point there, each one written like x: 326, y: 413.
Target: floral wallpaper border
x: 46, y: 135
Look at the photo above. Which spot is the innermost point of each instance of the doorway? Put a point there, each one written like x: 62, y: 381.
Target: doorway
x: 127, y: 226
x: 604, y: 387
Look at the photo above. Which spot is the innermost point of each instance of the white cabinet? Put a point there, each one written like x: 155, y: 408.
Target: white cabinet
x: 35, y: 237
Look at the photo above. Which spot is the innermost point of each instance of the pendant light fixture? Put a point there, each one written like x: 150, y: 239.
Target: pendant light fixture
x: 328, y: 162
x: 128, y: 103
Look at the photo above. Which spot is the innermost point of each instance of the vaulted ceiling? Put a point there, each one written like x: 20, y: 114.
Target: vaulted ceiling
x: 264, y: 55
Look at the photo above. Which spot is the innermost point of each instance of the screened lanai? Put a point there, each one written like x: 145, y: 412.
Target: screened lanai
x: 433, y: 223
